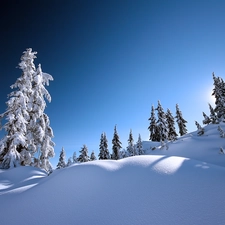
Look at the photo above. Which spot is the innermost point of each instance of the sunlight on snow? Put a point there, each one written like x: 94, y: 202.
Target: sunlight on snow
x: 169, y: 165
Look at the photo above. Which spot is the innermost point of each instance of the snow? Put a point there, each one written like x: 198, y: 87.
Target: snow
x: 181, y: 185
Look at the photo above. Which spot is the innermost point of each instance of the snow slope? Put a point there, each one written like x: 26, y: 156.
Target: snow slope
x: 140, y: 190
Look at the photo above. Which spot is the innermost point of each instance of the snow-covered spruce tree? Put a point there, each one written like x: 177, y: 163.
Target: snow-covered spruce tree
x: 222, y: 134
x: 75, y: 158
x: 212, y: 116
x: 181, y: 122
x: 62, y: 159
x: 172, y: 134
x: 153, y: 129
x: 162, y: 123
x: 92, y: 158
x: 130, y: 147
x: 116, y: 145
x: 206, y: 120
x: 219, y: 94
x: 200, y: 128
x: 83, y: 157
x: 19, y: 145
x: 139, y: 147
x: 103, y: 147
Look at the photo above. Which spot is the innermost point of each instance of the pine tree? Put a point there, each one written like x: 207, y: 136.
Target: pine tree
x: 206, y: 120
x: 139, y: 146
x: 75, y: 158
x: 200, y: 129
x: 62, y: 159
x: 213, y: 116
x: 27, y: 127
x: 162, y: 123
x: 116, y: 145
x: 83, y: 157
x: 103, y: 147
x: 92, y: 158
x: 180, y: 121
x: 153, y: 129
x: 130, y: 147
x: 172, y: 134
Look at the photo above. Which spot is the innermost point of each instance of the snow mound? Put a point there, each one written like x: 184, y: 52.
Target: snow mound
x: 133, y: 191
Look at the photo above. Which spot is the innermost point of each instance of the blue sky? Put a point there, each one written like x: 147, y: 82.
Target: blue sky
x: 111, y: 60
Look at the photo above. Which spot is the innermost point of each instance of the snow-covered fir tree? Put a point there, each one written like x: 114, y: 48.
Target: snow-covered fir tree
x: 222, y: 134
x: 172, y: 134
x: 69, y: 162
x: 212, y: 116
x: 139, y: 147
x: 83, y: 157
x: 62, y: 159
x: 201, y: 130
x: 103, y: 147
x: 130, y: 147
x: 219, y: 94
x: 24, y: 116
x: 181, y: 122
x: 153, y: 128
x: 162, y: 123
x: 206, y: 120
x: 116, y: 145
x: 75, y: 158
x: 92, y: 158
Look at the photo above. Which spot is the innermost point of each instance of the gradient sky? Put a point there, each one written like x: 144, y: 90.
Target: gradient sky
x: 112, y: 59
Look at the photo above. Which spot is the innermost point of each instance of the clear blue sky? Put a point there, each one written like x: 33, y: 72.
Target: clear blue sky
x: 111, y: 60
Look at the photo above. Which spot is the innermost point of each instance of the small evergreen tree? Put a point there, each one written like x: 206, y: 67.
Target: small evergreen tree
x: 103, y: 148
x: 130, y: 147
x: 139, y: 146
x: 75, y: 158
x: 70, y: 162
x: 181, y: 122
x: 172, y: 134
x: 222, y: 134
x: 83, y: 157
x: 93, y: 156
x: 213, y: 117
x: 206, y: 120
x: 62, y: 159
x: 162, y: 123
x: 116, y: 145
x: 200, y: 129
x: 153, y: 129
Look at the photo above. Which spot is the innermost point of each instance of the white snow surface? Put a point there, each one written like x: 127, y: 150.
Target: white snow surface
x: 183, y: 185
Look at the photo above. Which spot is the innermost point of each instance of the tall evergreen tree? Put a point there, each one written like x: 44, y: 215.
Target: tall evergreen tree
x: 27, y: 127
x: 153, y: 129
x: 83, y: 157
x: 219, y: 94
x: 130, y: 147
x: 116, y: 145
x: 181, y: 122
x: 62, y: 159
x: 162, y: 123
x: 172, y: 134
x: 139, y: 146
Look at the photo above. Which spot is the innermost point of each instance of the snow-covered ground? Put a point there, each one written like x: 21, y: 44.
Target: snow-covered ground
x: 181, y: 185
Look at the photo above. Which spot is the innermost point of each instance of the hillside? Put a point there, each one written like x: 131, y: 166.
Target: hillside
x: 181, y: 185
